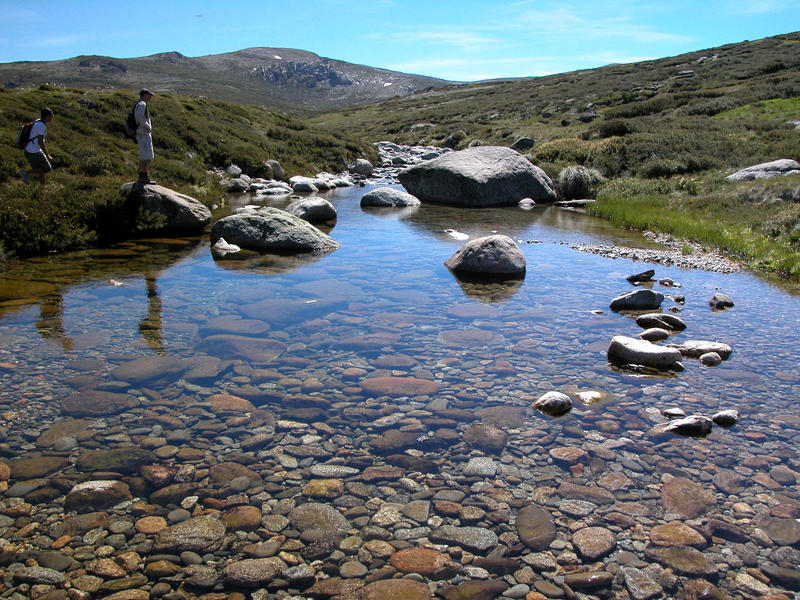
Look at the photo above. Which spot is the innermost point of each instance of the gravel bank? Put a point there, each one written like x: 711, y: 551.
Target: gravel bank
x: 673, y: 255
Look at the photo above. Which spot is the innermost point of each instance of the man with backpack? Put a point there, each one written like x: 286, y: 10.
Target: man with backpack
x: 144, y: 136
x: 36, y: 149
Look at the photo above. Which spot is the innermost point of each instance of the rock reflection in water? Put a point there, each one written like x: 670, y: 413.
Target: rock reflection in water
x: 488, y: 292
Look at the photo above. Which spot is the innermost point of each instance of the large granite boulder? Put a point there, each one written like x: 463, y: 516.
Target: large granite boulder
x: 272, y: 229
x: 277, y: 169
x: 361, y: 167
x: 156, y: 208
x: 784, y: 166
x: 384, y: 197
x: 493, y: 256
x: 478, y: 177
x: 313, y: 210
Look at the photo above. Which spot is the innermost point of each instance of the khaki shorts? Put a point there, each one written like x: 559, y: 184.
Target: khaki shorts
x: 145, y: 141
x: 38, y: 162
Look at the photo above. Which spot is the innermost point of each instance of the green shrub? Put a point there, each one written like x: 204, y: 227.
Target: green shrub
x: 613, y: 127
x: 661, y: 167
x: 578, y: 182
x: 94, y: 166
x: 563, y: 150
x: 713, y: 106
x: 62, y: 218
x: 652, y: 106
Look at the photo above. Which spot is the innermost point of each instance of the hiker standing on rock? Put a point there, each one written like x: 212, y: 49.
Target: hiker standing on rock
x: 36, y: 150
x: 144, y: 136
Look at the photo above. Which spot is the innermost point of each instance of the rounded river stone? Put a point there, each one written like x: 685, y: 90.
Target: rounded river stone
x: 425, y: 561
x: 535, y: 527
x: 395, y: 589
x: 96, y: 403
x: 320, y: 519
x: 677, y: 534
x: 686, y: 498
x: 200, y: 534
x: 476, y: 539
x: 594, y: 542
x: 253, y: 572
x: 785, y: 532
x: 683, y: 560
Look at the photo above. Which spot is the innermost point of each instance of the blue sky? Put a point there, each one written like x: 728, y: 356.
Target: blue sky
x: 463, y: 40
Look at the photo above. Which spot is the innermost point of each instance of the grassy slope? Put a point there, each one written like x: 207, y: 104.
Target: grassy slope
x: 662, y: 113
x: 663, y: 137
x: 92, y: 157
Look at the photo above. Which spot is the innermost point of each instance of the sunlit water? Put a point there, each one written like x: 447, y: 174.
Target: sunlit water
x: 386, y: 293
x: 152, y: 295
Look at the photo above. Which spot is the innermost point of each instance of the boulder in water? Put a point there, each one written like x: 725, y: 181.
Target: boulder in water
x: 625, y: 350
x: 361, y: 167
x: 692, y: 426
x: 661, y: 320
x: 697, y: 348
x: 481, y: 176
x: 641, y: 277
x: 642, y: 299
x: 157, y: 208
x: 272, y: 229
x: 554, y: 404
x: 726, y: 418
x: 313, y: 210
x: 720, y: 301
x: 388, y: 197
x: 493, y: 256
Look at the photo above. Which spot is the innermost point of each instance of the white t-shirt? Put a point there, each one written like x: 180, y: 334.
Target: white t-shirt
x: 38, y: 129
x: 142, y: 116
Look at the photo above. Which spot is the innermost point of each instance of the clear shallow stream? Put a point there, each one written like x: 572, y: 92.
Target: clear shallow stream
x: 385, y: 305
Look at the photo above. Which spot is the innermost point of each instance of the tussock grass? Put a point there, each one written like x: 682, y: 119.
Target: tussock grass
x: 762, y: 234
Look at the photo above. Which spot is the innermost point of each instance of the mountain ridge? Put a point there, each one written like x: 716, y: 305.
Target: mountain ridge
x: 284, y: 78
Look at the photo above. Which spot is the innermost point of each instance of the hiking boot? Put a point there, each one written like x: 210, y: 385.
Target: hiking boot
x: 24, y: 176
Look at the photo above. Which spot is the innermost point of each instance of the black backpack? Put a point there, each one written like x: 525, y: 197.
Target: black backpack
x: 24, y: 135
x: 130, y: 123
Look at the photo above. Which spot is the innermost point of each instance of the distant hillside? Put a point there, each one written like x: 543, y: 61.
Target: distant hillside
x: 661, y: 117
x: 279, y: 78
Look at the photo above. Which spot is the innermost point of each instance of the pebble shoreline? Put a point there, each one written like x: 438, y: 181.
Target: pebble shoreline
x: 675, y: 254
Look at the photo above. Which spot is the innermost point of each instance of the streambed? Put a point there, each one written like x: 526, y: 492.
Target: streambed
x: 334, y: 412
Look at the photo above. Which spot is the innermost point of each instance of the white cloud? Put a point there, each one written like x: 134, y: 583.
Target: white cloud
x: 563, y: 21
